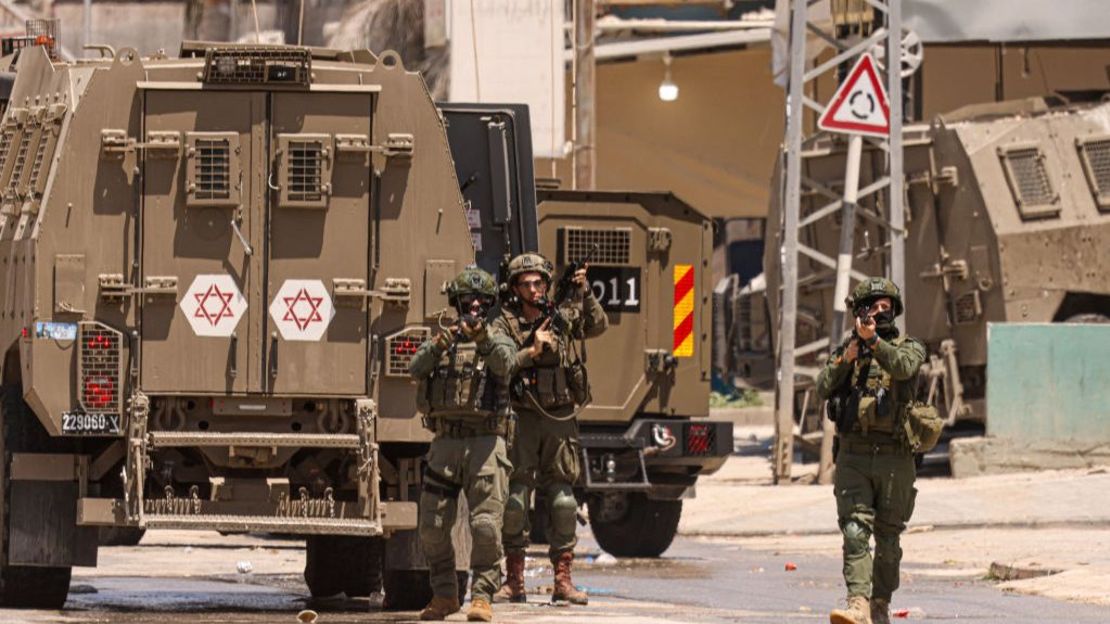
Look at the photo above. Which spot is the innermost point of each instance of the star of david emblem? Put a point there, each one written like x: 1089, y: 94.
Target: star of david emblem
x: 302, y: 309
x: 220, y: 305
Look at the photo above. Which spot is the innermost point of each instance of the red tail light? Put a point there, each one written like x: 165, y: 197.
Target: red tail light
x: 100, y: 392
x: 699, y: 439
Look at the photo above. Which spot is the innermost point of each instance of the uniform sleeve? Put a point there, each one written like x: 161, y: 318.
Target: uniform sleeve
x: 834, y: 374
x: 901, y: 361
x: 499, y: 326
x: 499, y: 352
x: 593, y: 321
x: 425, y: 359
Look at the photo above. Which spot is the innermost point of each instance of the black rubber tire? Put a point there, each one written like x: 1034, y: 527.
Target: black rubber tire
x: 121, y: 536
x: 24, y: 587
x: 410, y: 590
x: 646, y: 529
x: 343, y: 564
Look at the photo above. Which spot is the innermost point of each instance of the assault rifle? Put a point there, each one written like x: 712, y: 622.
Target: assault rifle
x: 564, y: 288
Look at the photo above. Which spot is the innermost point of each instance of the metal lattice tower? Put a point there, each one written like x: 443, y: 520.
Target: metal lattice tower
x: 856, y: 27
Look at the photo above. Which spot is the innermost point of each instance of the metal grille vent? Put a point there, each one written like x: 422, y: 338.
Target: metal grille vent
x: 258, y: 65
x: 101, y: 369
x: 40, y: 156
x: 212, y: 169
x: 967, y: 307
x: 613, y: 244
x: 306, y: 170
x: 400, y: 347
x: 20, y: 159
x: 1095, y: 155
x: 1029, y: 181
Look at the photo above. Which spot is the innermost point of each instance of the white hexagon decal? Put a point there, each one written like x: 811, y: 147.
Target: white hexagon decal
x: 213, y: 305
x: 302, y: 310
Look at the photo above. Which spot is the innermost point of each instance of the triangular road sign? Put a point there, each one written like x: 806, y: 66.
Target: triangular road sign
x: 860, y: 105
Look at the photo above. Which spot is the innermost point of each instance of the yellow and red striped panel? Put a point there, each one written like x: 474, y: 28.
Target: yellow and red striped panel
x: 684, y: 310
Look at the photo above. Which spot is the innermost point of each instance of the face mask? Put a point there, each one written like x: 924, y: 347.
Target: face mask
x: 884, y: 322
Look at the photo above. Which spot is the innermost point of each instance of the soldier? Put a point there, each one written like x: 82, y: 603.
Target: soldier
x: 464, y: 374
x: 869, y: 382
x: 547, y: 392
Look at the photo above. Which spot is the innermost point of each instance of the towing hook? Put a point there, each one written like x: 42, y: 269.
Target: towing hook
x: 662, y: 436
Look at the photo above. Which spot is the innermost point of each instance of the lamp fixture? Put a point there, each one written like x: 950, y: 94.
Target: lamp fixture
x: 668, y: 90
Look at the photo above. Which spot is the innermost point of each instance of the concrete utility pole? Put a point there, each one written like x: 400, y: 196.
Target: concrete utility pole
x: 585, y: 91
x: 858, y: 26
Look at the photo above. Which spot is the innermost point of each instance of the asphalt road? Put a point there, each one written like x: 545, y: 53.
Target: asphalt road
x: 697, y: 581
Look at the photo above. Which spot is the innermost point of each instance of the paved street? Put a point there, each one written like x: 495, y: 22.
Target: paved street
x: 193, y: 578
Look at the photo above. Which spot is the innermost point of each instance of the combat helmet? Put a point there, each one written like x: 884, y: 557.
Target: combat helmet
x: 874, y: 287
x: 530, y: 263
x: 471, y: 281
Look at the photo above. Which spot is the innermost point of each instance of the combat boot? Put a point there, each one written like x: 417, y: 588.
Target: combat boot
x: 480, y: 611
x: 858, y: 612
x: 513, y: 588
x: 440, y: 607
x: 880, y: 611
x: 564, y: 590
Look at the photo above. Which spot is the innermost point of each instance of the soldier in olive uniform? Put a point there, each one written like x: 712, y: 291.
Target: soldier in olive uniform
x: 869, y: 383
x: 464, y: 374
x: 549, y: 389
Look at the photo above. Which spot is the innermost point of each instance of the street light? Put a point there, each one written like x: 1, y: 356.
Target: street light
x: 668, y: 90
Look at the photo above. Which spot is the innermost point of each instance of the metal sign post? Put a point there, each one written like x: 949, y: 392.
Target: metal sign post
x: 856, y: 28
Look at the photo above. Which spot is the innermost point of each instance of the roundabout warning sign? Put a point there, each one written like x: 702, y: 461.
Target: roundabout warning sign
x: 860, y: 104
x: 302, y: 310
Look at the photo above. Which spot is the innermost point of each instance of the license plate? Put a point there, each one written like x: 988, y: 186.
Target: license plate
x: 79, y: 423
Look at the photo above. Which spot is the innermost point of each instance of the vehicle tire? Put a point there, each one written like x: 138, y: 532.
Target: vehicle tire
x: 343, y: 564
x: 1089, y: 317
x: 411, y: 590
x: 121, y: 536
x: 641, y: 527
x: 24, y: 587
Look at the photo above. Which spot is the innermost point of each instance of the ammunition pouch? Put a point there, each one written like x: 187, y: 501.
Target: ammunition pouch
x: 921, y: 426
x: 459, y: 428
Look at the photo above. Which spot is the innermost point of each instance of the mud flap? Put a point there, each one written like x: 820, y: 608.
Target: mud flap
x: 43, y: 527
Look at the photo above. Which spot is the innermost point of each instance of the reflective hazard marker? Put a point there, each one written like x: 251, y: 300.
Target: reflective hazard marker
x: 684, y: 310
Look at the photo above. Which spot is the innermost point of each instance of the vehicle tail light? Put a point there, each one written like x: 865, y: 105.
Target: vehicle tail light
x: 400, y: 347
x: 100, y: 369
x: 700, y: 439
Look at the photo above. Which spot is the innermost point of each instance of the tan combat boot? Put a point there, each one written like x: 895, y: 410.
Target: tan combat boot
x: 480, y: 611
x: 880, y: 611
x: 513, y: 588
x: 439, y: 608
x: 564, y: 590
x: 858, y: 612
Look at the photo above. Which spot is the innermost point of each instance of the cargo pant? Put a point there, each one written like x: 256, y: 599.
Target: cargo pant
x: 874, y: 497
x: 477, y: 467
x: 545, y: 454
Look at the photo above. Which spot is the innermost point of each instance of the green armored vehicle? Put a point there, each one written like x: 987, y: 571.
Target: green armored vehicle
x: 215, y: 269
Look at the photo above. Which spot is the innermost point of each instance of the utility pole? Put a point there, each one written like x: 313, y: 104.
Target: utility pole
x: 857, y: 27
x: 585, y: 92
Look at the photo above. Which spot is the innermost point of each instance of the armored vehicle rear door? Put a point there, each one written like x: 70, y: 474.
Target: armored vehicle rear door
x: 318, y: 248
x: 198, y: 317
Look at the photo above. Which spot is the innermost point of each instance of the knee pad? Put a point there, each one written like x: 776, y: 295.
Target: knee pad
x: 516, y: 512
x: 563, y: 505
x: 857, y: 538
x: 486, y: 532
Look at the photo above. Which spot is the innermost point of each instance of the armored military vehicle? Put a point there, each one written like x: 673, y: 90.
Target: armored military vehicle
x: 645, y: 439
x: 1007, y: 220
x: 215, y: 269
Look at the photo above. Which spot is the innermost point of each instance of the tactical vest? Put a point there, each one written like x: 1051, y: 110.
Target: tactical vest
x: 557, y: 378
x: 879, y: 406
x: 462, y: 387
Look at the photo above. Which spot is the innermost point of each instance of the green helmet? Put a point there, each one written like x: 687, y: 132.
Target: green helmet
x: 874, y: 287
x: 472, y: 280
x: 530, y: 263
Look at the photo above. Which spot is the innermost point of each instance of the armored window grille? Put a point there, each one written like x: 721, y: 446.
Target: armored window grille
x: 212, y: 169
x: 7, y: 137
x: 401, y: 347
x: 40, y: 166
x: 21, y: 156
x: 101, y: 368
x: 613, y: 244
x: 258, y: 65
x: 306, y: 170
x: 1095, y: 154
x: 1029, y: 181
